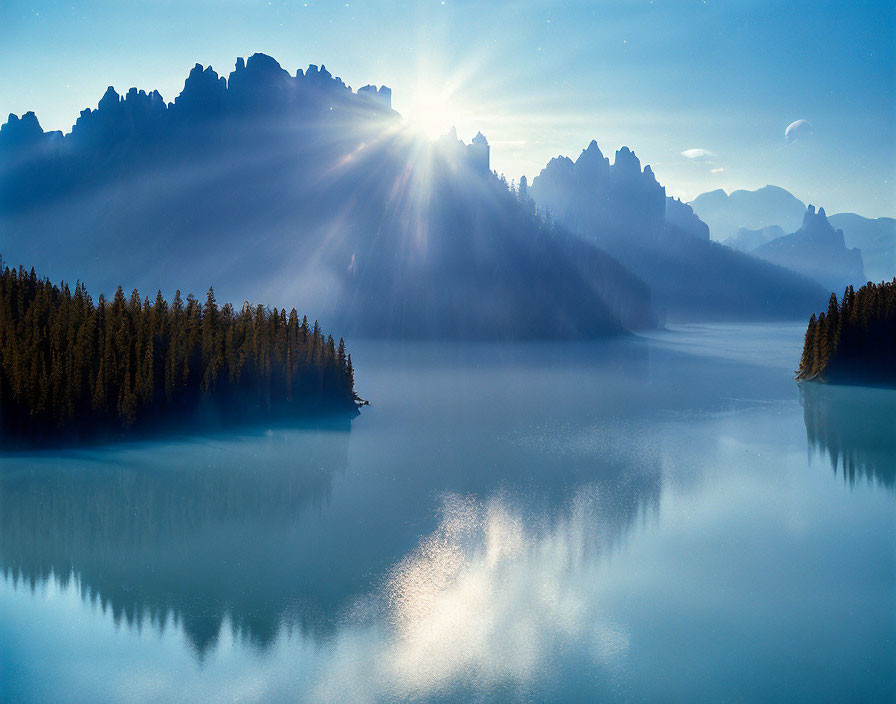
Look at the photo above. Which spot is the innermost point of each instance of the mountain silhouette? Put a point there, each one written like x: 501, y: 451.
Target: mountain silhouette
x: 297, y: 190
x: 682, y: 217
x: 817, y: 251
x: 624, y: 210
x: 747, y: 219
x: 875, y: 237
x: 726, y: 214
x: 747, y: 240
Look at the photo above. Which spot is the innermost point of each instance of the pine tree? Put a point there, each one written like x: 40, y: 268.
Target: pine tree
x: 65, y: 363
x: 807, y: 362
x: 855, y: 339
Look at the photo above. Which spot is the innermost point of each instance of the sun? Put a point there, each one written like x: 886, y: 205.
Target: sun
x: 432, y: 113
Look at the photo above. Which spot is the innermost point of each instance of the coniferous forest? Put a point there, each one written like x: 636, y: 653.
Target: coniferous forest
x: 73, y: 368
x: 855, y: 340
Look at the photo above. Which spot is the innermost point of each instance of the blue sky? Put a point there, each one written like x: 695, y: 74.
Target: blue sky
x: 538, y: 78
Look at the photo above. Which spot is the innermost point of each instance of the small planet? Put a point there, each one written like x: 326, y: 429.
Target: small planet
x: 796, y: 130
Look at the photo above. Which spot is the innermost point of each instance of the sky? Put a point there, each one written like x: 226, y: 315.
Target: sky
x: 702, y: 90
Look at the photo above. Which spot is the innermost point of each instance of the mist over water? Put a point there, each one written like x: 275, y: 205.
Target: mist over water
x: 653, y: 518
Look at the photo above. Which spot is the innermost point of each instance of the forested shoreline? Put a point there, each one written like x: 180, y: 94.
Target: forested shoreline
x: 72, y: 369
x: 855, y: 340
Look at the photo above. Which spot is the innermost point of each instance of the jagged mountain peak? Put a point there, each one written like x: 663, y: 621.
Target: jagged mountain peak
x: 626, y: 200
x: 812, y: 216
x: 663, y: 240
x: 21, y: 129
x: 260, y: 79
x: 818, y: 251
x: 681, y: 216
x: 626, y: 160
x: 558, y: 163
x: 591, y: 153
x: 109, y: 99
x: 260, y: 61
x: 18, y: 136
x: 202, y: 86
x: 816, y: 225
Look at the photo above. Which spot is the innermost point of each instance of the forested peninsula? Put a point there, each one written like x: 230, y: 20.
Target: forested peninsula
x: 72, y: 369
x: 854, y: 342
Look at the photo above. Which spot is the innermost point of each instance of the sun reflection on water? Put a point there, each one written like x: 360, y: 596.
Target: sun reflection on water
x: 488, y: 599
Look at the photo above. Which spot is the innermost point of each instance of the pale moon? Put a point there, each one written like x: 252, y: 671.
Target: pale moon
x: 797, y: 129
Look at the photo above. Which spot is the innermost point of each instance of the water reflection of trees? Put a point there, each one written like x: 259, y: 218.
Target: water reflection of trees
x: 241, y: 531
x: 855, y: 427
x: 195, y: 531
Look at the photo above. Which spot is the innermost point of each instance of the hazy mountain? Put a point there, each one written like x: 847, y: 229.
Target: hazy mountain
x: 747, y: 240
x: 683, y: 217
x: 726, y: 214
x: 877, y: 240
x: 747, y: 219
x: 818, y: 251
x: 624, y: 210
x: 590, y: 194
x: 298, y: 191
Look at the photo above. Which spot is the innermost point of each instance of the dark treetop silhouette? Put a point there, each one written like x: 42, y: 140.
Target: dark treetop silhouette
x: 69, y: 367
x: 855, y: 341
x: 296, y: 188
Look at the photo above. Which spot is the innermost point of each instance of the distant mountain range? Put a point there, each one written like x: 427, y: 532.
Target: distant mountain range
x: 747, y: 240
x: 622, y: 209
x: 745, y: 220
x: 297, y: 190
x: 817, y: 251
x: 726, y: 214
x: 876, y: 238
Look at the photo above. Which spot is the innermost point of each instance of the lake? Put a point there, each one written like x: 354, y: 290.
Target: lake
x: 657, y: 518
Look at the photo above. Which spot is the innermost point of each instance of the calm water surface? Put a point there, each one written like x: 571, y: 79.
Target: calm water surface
x: 662, y: 518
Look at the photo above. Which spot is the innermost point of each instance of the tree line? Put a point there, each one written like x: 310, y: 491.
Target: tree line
x: 855, y: 340
x: 67, y: 364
